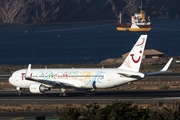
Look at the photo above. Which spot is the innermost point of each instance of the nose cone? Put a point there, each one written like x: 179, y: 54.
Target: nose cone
x: 11, y: 81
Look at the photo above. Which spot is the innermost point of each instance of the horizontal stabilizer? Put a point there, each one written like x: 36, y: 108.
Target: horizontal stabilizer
x: 137, y: 75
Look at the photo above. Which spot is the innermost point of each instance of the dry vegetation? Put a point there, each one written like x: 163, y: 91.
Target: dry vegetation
x: 34, y: 107
x: 53, y: 107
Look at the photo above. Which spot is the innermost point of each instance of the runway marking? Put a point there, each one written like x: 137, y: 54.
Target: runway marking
x: 168, y: 98
x: 19, y: 118
x: 80, y: 100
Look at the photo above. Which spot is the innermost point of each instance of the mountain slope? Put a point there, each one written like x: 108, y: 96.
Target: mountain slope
x: 56, y: 11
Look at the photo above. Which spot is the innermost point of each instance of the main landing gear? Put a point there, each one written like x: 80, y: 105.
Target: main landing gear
x: 90, y: 92
x: 63, y: 92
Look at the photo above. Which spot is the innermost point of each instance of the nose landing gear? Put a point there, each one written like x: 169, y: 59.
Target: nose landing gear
x: 19, y: 91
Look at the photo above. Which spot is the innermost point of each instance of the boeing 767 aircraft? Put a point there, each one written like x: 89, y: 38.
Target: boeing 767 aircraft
x: 42, y: 80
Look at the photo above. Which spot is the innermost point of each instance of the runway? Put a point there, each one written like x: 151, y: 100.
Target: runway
x: 100, y: 95
x: 75, y: 97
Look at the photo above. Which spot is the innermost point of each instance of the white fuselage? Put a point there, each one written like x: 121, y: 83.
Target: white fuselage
x: 77, y: 78
x: 42, y: 80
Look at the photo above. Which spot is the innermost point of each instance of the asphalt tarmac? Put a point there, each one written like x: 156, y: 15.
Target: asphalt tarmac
x: 78, y: 97
x: 99, y: 95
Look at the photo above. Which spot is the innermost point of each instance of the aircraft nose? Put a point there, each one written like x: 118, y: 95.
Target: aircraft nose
x: 10, y: 80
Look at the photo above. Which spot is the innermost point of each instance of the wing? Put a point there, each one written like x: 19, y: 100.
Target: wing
x: 50, y: 82
x: 161, y: 71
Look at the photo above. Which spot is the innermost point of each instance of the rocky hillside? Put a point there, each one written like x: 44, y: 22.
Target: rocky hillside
x: 56, y: 11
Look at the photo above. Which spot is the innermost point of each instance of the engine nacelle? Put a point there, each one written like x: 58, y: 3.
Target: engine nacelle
x: 38, y: 88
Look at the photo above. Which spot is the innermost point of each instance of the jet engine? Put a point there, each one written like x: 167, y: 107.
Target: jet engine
x: 38, y: 88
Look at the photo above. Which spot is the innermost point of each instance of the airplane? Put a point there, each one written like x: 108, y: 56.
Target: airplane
x: 88, y: 79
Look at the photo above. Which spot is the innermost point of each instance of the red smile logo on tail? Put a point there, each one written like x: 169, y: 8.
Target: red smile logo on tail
x: 136, y: 61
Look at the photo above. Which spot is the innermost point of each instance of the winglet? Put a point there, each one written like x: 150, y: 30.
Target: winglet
x: 167, y: 65
x: 28, y: 71
x: 161, y: 71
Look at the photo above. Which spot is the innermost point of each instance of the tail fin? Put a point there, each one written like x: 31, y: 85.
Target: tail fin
x: 134, y: 58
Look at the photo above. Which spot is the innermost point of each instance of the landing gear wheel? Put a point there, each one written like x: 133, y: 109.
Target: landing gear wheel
x: 19, y: 91
x: 63, y: 92
x: 90, y: 92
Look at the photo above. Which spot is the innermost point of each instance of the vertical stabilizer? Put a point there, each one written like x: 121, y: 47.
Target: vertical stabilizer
x: 134, y: 58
